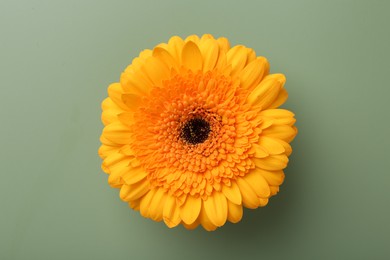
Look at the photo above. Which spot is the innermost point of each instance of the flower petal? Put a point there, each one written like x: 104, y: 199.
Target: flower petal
x: 118, y: 133
x: 133, y: 175
x: 237, y: 57
x: 280, y: 99
x: 271, y: 145
x: 254, y: 72
x: 210, y: 50
x: 193, y: 38
x: 251, y: 56
x: 205, y: 220
x: 272, y: 163
x: 136, y: 83
x: 259, y: 151
x: 274, y: 190
x: 131, y: 101
x: 191, y: 56
x: 284, y: 132
x: 135, y: 191
x: 106, y: 150
x: 287, y: 147
x: 116, y: 160
x: 235, y: 212
x: 190, y: 210
x: 273, y: 178
x: 264, y: 94
x: 156, y: 71
x: 115, y: 92
x: 263, y: 202
x: 156, y: 206
x: 216, y: 208
x: 191, y: 226
x: 146, y: 202
x: 127, y: 118
x: 110, y: 111
x: 279, y: 116
x: 171, y: 212
x: 257, y: 183
x: 232, y: 193
x: 135, y: 204
x: 175, y: 46
x: 249, y: 197
x: 224, y: 44
x: 163, y: 55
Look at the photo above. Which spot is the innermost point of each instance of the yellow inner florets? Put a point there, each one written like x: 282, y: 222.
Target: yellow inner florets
x: 197, y: 168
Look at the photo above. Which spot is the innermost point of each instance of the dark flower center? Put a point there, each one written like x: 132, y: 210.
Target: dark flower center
x: 195, y: 131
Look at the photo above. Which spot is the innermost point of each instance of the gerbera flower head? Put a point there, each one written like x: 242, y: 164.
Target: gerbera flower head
x: 193, y: 133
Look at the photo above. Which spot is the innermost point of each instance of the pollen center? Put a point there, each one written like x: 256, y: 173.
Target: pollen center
x: 195, y: 131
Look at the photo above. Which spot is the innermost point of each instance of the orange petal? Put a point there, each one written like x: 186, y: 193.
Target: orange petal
x: 131, y: 101
x: 135, y: 191
x: 210, y: 50
x: 146, y: 202
x: 135, y: 204
x: 171, y: 212
x: 224, y: 44
x: 205, y: 221
x: 115, y: 92
x: 263, y: 202
x: 163, y: 55
x: 280, y: 99
x: 191, y: 226
x: 191, y: 56
x: 271, y: 145
x: 232, y: 193
x: 156, y: 206
x: 237, y: 56
x: 264, y: 94
x: 193, y: 38
x: 117, y: 133
x: 106, y: 150
x: 249, y: 197
x: 190, y: 210
x: 155, y: 70
x: 216, y: 208
x: 133, y: 175
x: 136, y: 83
x: 254, y: 72
x: 257, y: 183
x: 273, y: 178
x: 175, y: 46
x: 235, y: 212
x: 274, y: 190
x: 127, y: 118
x: 259, y: 151
x: 284, y: 132
x: 110, y: 111
x: 272, y: 163
x: 279, y: 116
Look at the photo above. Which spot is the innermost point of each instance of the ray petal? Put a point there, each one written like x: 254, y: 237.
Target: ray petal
x: 249, y: 197
x: 191, y: 56
x: 171, y: 212
x: 216, y: 208
x: 190, y: 210
x: 257, y: 183
x: 254, y: 72
x: 235, y: 212
x: 232, y: 193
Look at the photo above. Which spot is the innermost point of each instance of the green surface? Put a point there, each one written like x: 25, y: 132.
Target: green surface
x: 57, y: 59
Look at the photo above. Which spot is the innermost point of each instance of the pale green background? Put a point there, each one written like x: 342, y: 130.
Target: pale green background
x: 57, y: 59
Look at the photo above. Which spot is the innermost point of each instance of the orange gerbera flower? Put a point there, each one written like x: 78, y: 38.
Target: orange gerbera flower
x: 192, y: 132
